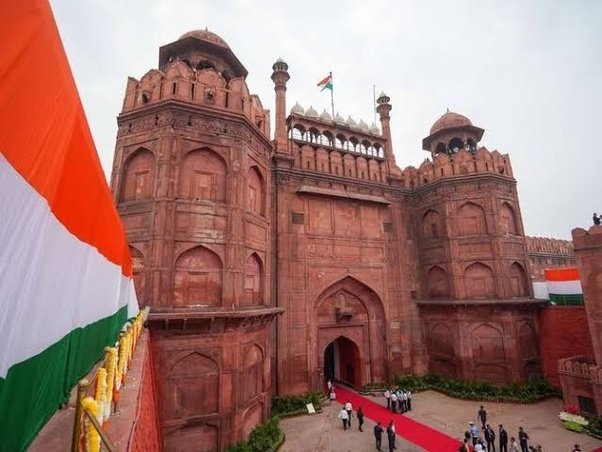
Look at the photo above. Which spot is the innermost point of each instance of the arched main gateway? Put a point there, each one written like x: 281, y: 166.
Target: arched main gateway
x: 349, y: 336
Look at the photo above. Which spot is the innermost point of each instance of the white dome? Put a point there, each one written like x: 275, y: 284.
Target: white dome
x: 374, y: 130
x: 311, y: 113
x: 325, y: 116
x: 297, y: 109
x: 363, y: 126
x: 339, y: 119
x: 350, y: 122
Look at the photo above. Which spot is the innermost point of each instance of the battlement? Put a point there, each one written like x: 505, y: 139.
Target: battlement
x: 201, y: 87
x: 592, y: 238
x: 461, y: 163
x: 546, y: 245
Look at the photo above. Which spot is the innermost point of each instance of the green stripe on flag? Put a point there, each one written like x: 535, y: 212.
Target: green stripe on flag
x: 327, y: 86
x: 567, y: 300
x: 34, y: 388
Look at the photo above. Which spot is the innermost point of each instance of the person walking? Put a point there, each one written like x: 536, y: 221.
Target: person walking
x: 391, y: 436
x: 393, y: 402
x: 360, y: 417
x: 523, y: 439
x: 344, y: 416
x: 503, y: 439
x: 409, y: 394
x: 513, y: 445
x: 388, y: 398
x: 474, y: 433
x: 490, y: 438
x: 483, y: 417
x: 349, y: 409
x: 378, y: 434
x: 576, y: 448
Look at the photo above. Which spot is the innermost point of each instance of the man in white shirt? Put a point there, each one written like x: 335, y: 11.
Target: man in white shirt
x: 404, y: 401
x: 349, y: 409
x: 344, y: 416
x: 388, y: 397
x: 393, y: 402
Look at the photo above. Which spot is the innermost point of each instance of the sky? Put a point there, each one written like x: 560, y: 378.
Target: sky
x: 528, y: 72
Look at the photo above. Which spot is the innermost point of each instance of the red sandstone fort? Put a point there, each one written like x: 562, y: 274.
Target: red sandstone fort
x: 272, y: 264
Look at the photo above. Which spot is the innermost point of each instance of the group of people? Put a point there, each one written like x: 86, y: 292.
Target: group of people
x: 597, y: 219
x: 485, y: 442
x: 346, y: 414
x: 398, y: 400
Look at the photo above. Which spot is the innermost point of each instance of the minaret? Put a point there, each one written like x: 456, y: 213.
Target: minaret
x: 280, y: 77
x: 383, y: 109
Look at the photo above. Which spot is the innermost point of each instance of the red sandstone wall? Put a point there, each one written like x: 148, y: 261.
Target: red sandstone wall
x: 563, y: 332
x: 145, y: 437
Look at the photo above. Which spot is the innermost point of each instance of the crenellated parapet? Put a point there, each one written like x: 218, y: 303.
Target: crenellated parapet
x: 204, y: 83
x: 547, y: 245
x: 462, y: 163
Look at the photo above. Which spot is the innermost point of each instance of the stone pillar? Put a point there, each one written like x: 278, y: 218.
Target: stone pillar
x: 280, y: 77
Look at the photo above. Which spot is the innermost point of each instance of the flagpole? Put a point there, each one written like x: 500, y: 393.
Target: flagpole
x: 332, y: 95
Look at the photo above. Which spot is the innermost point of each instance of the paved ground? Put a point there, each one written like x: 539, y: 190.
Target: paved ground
x: 324, y: 432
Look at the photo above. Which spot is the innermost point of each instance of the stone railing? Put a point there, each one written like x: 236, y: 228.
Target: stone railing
x: 577, y: 366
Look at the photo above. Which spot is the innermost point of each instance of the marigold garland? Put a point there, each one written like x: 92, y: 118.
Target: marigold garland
x: 111, y: 368
x: 92, y: 436
x: 101, y: 393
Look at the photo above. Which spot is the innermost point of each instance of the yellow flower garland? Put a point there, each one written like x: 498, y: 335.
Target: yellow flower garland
x: 111, y: 368
x: 101, y: 393
x: 92, y: 436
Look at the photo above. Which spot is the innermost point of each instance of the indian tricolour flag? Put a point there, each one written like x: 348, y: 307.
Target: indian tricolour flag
x: 65, y: 271
x: 564, y: 286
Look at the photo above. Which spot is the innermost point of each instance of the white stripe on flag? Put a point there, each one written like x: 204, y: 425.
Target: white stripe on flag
x: 50, y: 281
x: 564, y: 287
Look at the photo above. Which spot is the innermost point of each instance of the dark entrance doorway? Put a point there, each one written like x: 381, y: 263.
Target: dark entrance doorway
x: 342, y: 362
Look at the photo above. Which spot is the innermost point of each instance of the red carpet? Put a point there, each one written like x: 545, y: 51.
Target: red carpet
x: 410, y: 430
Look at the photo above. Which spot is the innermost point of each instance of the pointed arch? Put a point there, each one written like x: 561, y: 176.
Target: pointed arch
x: 518, y: 281
x: 253, y: 376
x: 203, y: 176
x: 508, y: 219
x: 253, y: 282
x: 198, y: 278
x: 479, y: 281
x: 138, y: 273
x: 471, y: 219
x: 138, y: 176
x: 437, y: 283
x: 431, y: 224
x: 193, y: 379
x: 441, y: 340
x: 487, y: 342
x: 256, y: 191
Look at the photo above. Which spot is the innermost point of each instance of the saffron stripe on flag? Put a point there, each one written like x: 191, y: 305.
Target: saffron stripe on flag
x: 562, y: 274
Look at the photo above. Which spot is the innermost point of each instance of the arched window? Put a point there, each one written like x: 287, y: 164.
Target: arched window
x: 253, y: 289
x: 431, y: 225
x: 508, y: 220
x: 455, y: 145
x: 440, y: 149
x: 256, y: 192
x: 138, y: 176
x: 471, y: 220
x: 518, y: 281
x: 436, y: 283
x: 203, y: 176
x: 479, y: 281
x: 198, y: 278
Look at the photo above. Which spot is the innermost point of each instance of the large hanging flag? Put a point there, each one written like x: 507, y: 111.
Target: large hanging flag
x: 564, y: 286
x: 326, y: 83
x: 65, y: 271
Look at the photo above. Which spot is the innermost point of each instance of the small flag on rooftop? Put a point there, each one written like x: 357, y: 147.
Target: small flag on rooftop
x: 326, y: 82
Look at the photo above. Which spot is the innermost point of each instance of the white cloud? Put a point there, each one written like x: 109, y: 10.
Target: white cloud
x: 527, y: 72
